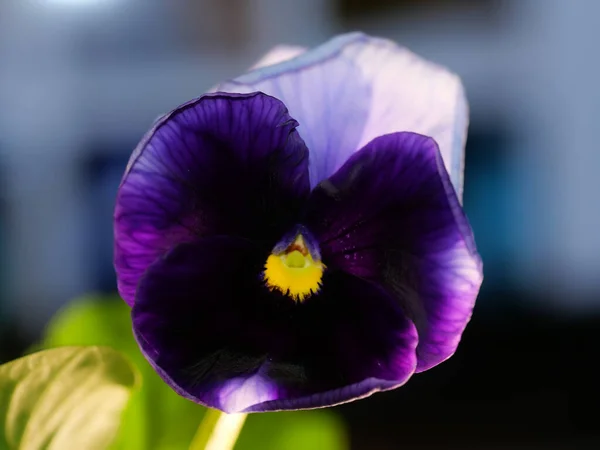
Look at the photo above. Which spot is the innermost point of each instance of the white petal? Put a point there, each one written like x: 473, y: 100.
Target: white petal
x: 354, y: 88
x: 278, y: 55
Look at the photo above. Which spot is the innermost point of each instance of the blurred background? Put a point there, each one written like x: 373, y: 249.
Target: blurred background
x: 82, y: 80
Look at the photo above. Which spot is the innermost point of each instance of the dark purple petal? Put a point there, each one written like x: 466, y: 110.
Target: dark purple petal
x: 352, y: 340
x: 390, y: 215
x: 212, y: 330
x: 222, y: 164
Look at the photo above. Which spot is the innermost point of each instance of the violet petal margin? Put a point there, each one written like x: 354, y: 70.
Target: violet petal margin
x: 355, y: 88
x: 218, y: 337
x: 221, y: 164
x: 390, y: 215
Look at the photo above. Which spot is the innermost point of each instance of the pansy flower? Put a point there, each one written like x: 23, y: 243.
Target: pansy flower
x: 295, y: 239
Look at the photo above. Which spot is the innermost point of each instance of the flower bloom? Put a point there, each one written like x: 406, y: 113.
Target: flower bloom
x: 296, y: 239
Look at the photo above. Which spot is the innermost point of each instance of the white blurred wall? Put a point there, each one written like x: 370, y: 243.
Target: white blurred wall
x: 71, y: 72
x: 535, y: 69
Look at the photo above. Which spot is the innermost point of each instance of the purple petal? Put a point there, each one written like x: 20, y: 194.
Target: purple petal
x: 353, y: 340
x: 390, y: 215
x: 355, y: 88
x: 222, y: 164
x: 214, y: 332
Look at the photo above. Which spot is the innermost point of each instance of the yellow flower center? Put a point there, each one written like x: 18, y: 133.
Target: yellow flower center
x: 294, y: 272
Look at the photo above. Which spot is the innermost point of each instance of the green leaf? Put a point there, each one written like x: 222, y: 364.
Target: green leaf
x: 156, y: 417
x: 67, y: 398
x: 296, y: 430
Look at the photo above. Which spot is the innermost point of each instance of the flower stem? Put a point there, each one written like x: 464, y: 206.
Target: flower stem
x: 218, y: 431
